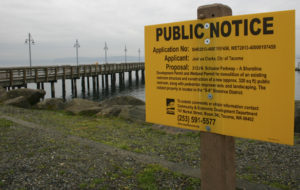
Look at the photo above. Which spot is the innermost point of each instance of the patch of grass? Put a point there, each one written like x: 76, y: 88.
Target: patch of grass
x: 4, y: 123
x: 157, y: 131
x: 127, y: 171
x: 248, y: 177
x: 154, y: 177
x: 11, y: 171
x: 124, y: 147
x: 251, y: 141
x: 280, y: 186
x: 95, y: 182
x: 138, y: 150
x: 147, y: 178
x: 41, y: 166
x: 98, y: 181
x: 83, y: 185
x: 194, y: 182
x: 238, y: 141
x: 103, y: 188
x: 92, y: 169
x: 30, y: 154
x: 192, y: 134
x: 114, y: 176
x: 248, y: 168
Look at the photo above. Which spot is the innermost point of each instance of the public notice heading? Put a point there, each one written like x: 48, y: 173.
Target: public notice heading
x: 229, y: 75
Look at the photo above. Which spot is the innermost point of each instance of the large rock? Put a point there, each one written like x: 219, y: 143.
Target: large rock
x: 81, y: 106
x: 126, y: 107
x: 129, y: 112
x: 112, y: 111
x: 20, y: 101
x: 122, y: 100
x: 133, y: 113
x: 32, y: 96
x: 297, y: 116
x: 52, y: 104
x: 90, y: 111
x: 2, y: 90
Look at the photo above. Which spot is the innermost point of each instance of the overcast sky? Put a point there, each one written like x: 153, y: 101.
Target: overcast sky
x: 56, y: 24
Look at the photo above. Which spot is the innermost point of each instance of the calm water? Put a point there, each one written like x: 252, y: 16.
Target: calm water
x: 135, y: 89
x: 297, y: 82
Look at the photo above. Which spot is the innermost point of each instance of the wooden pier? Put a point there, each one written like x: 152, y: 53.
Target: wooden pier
x: 17, y: 77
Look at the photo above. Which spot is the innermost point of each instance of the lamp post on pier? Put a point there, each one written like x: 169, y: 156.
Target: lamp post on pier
x: 125, y: 54
x: 105, y: 49
x: 76, y: 45
x: 29, y: 41
x: 139, y: 54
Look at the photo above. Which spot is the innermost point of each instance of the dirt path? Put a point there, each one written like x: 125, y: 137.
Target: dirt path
x: 145, y: 159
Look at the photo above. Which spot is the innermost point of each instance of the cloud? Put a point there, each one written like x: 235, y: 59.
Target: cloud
x: 56, y: 24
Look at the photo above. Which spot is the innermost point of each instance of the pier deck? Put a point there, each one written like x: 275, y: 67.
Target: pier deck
x: 11, y: 77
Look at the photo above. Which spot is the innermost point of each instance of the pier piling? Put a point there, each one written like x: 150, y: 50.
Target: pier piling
x: 97, y: 82
x: 75, y: 88
x: 130, y: 76
x: 88, y: 83
x: 106, y: 81
x: 137, y: 76
x: 143, y: 76
x: 72, y: 86
x: 113, y: 80
x: 52, y: 89
x: 64, y: 88
x: 83, y: 84
x: 94, y: 83
x: 102, y: 80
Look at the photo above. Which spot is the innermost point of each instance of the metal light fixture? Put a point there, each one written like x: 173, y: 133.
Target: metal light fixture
x: 76, y: 45
x: 29, y: 41
x: 105, y: 48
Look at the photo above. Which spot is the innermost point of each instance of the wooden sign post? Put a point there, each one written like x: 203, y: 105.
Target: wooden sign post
x: 217, y: 151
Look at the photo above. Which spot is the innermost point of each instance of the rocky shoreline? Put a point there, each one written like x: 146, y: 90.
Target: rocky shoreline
x: 125, y: 107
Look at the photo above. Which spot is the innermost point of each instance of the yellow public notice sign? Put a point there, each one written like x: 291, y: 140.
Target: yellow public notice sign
x: 230, y: 75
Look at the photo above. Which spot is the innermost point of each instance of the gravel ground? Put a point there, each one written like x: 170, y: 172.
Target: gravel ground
x: 269, y: 163
x: 40, y: 159
x: 34, y: 158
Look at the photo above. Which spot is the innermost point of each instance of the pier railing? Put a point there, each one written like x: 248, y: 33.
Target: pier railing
x: 18, y: 76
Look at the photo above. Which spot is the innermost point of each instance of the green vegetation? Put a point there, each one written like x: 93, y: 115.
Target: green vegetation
x: 140, y: 138
x: 248, y: 177
x: 1, y: 183
x: 280, y: 186
x: 127, y: 171
x: 95, y: 182
x: 147, y: 178
x: 4, y: 123
x: 153, y: 177
x: 297, y: 137
x: 83, y: 186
